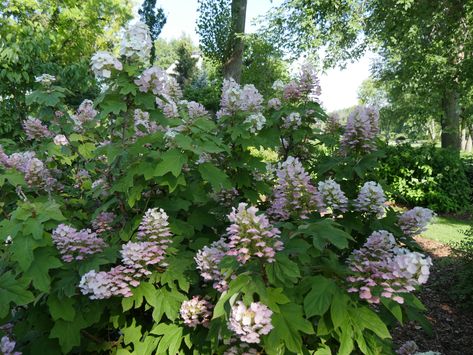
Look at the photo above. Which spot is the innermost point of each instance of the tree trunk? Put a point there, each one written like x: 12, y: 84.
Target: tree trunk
x: 232, y: 68
x: 451, y: 121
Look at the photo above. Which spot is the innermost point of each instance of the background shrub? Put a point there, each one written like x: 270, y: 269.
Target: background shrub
x: 427, y: 176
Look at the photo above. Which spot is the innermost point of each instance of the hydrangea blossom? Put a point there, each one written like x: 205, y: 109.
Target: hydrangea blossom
x: 274, y: 104
x: 408, y: 348
x: 143, y: 125
x: 250, y: 323
x: 196, y: 110
x: 154, y: 228
x: 293, y: 120
x: 278, y: 85
x: 235, y: 98
x: 7, y: 346
x: 251, y: 235
x: 292, y: 92
x: 60, y: 139
x: 35, y: 129
x: 241, y: 349
x: 294, y: 194
x: 103, y: 222
x: 105, y: 284
x: 45, y: 79
x: 381, y: 269
x: 153, y: 79
x: 85, y: 113
x: 136, y: 42
x: 35, y: 172
x: 333, y: 124
x: 140, y: 254
x: 361, y: 130
x: 332, y: 196
x: 76, y: 245
x: 196, y: 311
x: 309, y: 84
x: 415, y: 221
x: 371, y: 199
x: 103, y: 63
x: 208, y: 259
x: 256, y: 121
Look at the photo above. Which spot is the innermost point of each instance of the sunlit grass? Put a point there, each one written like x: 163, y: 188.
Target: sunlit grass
x: 447, y: 230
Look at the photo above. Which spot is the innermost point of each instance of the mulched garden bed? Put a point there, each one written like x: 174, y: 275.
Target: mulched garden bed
x: 452, y: 326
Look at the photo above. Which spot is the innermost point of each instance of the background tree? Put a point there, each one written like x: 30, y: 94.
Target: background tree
x: 221, y: 27
x: 54, y: 37
x: 167, y: 50
x: 186, y: 64
x: 425, y: 47
x: 155, y: 18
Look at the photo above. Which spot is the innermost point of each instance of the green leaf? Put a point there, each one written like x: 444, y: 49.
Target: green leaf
x: 172, y: 162
x: 393, y: 307
x: 39, y: 269
x: 33, y: 227
x: 338, y: 309
x: 68, y: 333
x: 171, y: 338
x: 13, y: 291
x: 367, y: 319
x: 318, y: 300
x: 288, y: 326
x: 216, y: 177
x: 113, y: 104
x: 87, y: 150
x: 61, y: 308
x: 22, y: 250
x: 282, y: 269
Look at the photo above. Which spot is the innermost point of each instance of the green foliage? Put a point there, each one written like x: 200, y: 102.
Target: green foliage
x: 196, y: 169
x: 426, y: 176
x: 186, y: 64
x: 56, y: 38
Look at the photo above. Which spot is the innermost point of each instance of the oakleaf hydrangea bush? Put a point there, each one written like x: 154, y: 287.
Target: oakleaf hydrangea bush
x: 140, y: 223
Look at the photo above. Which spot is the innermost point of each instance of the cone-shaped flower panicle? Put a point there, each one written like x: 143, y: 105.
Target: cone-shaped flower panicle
x: 136, y: 42
x: 415, y: 221
x: 208, y: 259
x: 371, y: 199
x: 196, y: 311
x: 332, y: 196
x: 249, y: 323
x: 361, y: 131
x: 102, y: 64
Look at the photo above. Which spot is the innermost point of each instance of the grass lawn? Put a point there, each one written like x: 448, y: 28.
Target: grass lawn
x: 447, y: 229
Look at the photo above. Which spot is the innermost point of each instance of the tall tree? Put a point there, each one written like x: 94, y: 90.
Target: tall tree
x: 221, y: 27
x: 155, y: 18
x: 186, y: 63
x: 426, y: 46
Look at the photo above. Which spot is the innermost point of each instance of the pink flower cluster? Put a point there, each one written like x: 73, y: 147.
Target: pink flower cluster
x: 196, y: 311
x: 294, y: 194
x: 143, y: 125
x: 85, y: 113
x: 136, y: 42
x: 35, y: 129
x: 196, y: 110
x: 7, y: 346
x: 34, y: 170
x: 415, y: 221
x: 250, y: 322
x: 103, y: 222
x: 332, y: 125
x: 306, y: 86
x: 251, y: 235
x: 292, y: 121
x: 76, y: 245
x: 235, y: 98
x: 274, y: 104
x: 154, y: 237
x: 381, y: 269
x: 361, y: 131
x: 115, y: 282
x: 157, y: 81
x: 371, y: 199
x: 241, y: 349
x: 332, y: 196
x: 208, y: 259
x: 60, y: 139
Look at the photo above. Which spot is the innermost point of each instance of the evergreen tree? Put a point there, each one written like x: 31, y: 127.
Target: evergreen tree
x: 155, y: 18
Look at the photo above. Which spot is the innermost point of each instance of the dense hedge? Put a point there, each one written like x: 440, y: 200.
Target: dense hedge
x: 427, y: 176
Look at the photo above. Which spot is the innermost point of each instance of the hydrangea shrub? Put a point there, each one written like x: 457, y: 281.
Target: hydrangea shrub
x: 140, y: 223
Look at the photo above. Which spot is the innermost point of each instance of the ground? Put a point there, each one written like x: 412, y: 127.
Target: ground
x: 452, y: 326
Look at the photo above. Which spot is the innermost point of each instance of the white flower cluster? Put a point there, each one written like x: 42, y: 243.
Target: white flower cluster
x: 293, y: 120
x: 196, y: 311
x: 415, y: 221
x: 45, y: 79
x: 85, y: 113
x: 256, y: 121
x: 60, y: 139
x: 136, y: 42
x: 208, y: 259
x: 103, y: 63
x: 7, y: 346
x: 332, y: 196
x: 143, y: 125
x: 371, y: 199
x: 250, y: 322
